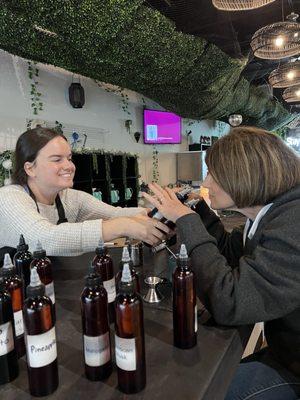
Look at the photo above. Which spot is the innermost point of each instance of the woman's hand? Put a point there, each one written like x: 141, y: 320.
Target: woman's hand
x: 167, y: 203
x: 140, y: 227
x: 149, y: 230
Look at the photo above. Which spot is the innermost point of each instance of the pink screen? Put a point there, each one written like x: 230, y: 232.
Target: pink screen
x: 161, y: 127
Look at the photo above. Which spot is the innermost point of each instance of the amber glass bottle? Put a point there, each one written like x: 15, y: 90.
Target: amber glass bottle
x: 129, y: 337
x: 95, y: 329
x: 44, y: 269
x: 184, y: 303
x: 9, y: 369
x: 14, y: 285
x: 135, y: 277
x: 103, y: 265
x: 40, y: 339
x: 22, y: 261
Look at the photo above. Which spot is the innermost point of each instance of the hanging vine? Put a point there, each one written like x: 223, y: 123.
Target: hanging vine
x: 155, y: 171
x: 120, y: 91
x: 35, y: 95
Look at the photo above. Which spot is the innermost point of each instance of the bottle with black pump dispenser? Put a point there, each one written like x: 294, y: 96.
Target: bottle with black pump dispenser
x: 95, y: 329
x: 22, y: 261
x: 14, y: 285
x: 135, y: 277
x: 182, y: 195
x: 40, y: 338
x: 184, y: 303
x: 103, y: 265
x: 9, y: 368
x: 129, y: 336
x: 44, y: 268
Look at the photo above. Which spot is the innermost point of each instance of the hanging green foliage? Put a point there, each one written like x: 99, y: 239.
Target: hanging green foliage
x: 127, y: 44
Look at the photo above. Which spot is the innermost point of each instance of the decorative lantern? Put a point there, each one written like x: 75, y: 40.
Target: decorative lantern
x: 278, y: 40
x: 239, y: 5
x: 235, y: 119
x: 292, y: 94
x: 285, y: 75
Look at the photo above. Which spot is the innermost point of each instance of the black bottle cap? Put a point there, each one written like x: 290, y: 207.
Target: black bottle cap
x: 93, y: 280
x: 36, y: 287
x: 101, y: 249
x: 39, y: 252
x: 22, y: 246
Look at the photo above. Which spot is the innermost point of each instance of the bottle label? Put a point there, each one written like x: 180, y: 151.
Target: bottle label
x: 110, y: 287
x: 49, y: 291
x: 19, y: 327
x: 125, y: 353
x: 6, y: 339
x: 196, y: 319
x: 96, y: 350
x: 41, y: 349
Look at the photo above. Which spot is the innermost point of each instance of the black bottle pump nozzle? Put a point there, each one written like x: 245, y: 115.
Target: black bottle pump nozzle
x: 22, y: 246
x: 100, y: 249
x: 36, y: 287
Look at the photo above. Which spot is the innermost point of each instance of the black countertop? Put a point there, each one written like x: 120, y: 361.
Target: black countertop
x: 203, y: 372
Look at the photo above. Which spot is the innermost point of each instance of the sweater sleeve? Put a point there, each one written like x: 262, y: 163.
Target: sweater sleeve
x: 263, y: 287
x: 230, y: 244
x: 19, y: 215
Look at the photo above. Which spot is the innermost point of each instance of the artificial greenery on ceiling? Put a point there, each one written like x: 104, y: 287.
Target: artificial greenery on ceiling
x: 125, y: 43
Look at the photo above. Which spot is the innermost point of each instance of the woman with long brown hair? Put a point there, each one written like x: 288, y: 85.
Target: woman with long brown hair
x: 42, y: 205
x: 251, y: 274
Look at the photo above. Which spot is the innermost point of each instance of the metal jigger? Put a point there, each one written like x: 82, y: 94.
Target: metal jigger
x: 153, y: 295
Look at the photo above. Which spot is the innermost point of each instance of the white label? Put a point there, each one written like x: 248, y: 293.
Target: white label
x: 110, y: 287
x: 19, y: 327
x: 196, y: 319
x: 41, y: 349
x: 125, y: 353
x: 6, y: 339
x: 96, y: 350
x: 49, y: 291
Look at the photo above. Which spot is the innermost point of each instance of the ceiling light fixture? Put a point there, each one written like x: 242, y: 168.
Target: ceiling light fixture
x: 292, y: 94
x: 278, y: 40
x: 285, y: 75
x: 239, y: 5
x: 45, y: 31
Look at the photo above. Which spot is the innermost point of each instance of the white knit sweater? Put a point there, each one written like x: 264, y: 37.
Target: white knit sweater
x: 82, y: 232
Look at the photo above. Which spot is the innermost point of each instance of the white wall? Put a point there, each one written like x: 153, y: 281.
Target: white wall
x: 102, y: 117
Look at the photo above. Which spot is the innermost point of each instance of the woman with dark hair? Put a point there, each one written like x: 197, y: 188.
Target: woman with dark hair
x: 249, y: 275
x: 41, y: 204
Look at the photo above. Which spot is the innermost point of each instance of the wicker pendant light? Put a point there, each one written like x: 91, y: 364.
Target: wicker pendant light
x: 285, y: 75
x: 292, y: 94
x: 239, y: 5
x: 278, y: 40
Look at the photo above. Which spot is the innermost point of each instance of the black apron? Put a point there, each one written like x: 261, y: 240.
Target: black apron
x: 61, y: 219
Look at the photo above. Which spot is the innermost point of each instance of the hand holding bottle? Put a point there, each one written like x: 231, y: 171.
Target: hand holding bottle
x: 147, y: 229
x: 167, y: 202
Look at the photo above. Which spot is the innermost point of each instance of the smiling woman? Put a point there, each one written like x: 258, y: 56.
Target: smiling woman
x: 42, y: 205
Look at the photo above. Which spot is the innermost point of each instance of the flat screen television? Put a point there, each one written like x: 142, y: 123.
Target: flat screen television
x: 161, y: 127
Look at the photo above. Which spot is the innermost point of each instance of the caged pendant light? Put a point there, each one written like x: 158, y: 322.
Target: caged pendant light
x: 292, y: 94
x: 285, y: 75
x: 239, y: 5
x: 278, y: 40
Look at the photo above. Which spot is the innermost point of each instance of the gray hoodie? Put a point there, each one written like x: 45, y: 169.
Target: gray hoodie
x: 257, y: 282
